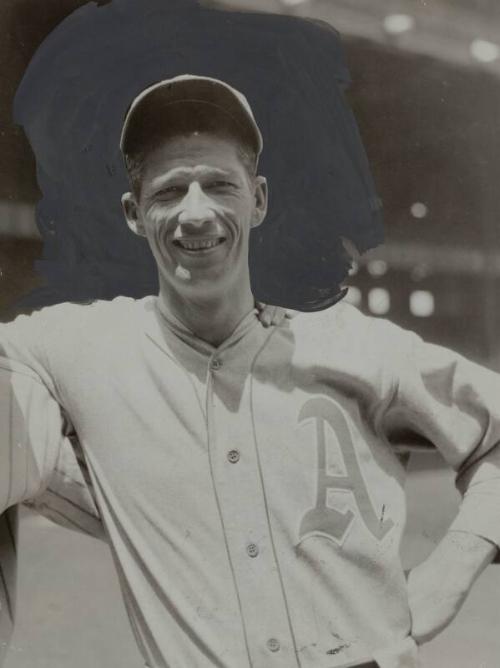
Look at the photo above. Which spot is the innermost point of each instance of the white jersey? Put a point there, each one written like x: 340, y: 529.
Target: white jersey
x: 252, y: 494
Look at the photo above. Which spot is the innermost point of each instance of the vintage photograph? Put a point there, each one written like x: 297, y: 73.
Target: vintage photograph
x: 249, y: 334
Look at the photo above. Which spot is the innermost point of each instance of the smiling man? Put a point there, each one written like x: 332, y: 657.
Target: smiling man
x: 191, y: 148
x: 247, y: 478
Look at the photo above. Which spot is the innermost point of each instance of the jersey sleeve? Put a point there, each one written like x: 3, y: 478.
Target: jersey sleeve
x: 33, y: 425
x: 454, y: 404
x: 41, y: 462
x: 68, y: 499
x: 31, y: 433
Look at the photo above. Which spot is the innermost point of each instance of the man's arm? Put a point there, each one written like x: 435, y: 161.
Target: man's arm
x: 68, y: 499
x: 438, y: 587
x: 31, y: 432
x: 454, y: 404
x: 38, y: 463
x: 33, y: 425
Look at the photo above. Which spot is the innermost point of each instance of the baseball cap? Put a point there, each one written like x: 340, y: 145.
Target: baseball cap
x: 188, y: 103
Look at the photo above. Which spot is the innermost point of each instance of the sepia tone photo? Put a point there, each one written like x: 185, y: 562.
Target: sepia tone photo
x: 249, y: 351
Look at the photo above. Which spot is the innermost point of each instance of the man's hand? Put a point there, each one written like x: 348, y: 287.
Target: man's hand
x: 272, y: 315
x: 438, y: 587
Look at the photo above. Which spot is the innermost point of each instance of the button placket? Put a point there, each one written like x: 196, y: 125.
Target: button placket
x: 242, y: 502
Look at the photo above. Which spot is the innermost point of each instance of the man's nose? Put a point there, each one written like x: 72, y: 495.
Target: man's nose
x: 196, y: 207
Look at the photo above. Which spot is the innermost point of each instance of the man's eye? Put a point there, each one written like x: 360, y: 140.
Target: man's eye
x: 220, y: 184
x: 171, y: 192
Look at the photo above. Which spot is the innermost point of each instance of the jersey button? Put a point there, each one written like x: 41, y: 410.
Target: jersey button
x: 233, y: 456
x: 252, y: 550
x: 215, y: 364
x: 273, y: 645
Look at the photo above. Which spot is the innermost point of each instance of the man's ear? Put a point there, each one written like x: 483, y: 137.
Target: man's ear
x: 260, y: 201
x: 131, y: 212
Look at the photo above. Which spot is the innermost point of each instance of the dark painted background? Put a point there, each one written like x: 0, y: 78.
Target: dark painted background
x: 71, y: 104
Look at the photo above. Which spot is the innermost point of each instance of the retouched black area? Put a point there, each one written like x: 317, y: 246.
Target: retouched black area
x: 71, y: 103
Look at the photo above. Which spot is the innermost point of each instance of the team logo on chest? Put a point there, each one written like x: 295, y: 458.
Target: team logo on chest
x: 322, y: 519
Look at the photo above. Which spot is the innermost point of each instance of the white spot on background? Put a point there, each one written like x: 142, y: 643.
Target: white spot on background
x: 484, y: 51
x: 421, y: 303
x: 379, y: 301
x: 377, y: 267
x: 396, y: 24
x: 419, y: 210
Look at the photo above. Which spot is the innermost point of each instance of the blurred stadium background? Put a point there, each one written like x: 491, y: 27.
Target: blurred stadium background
x: 426, y: 94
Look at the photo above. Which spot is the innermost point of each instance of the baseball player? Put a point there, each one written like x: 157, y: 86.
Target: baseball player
x: 247, y: 478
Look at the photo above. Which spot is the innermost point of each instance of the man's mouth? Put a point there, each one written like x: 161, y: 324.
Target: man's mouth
x: 198, y: 244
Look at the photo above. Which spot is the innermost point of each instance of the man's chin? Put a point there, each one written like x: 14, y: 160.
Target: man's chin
x: 209, y: 279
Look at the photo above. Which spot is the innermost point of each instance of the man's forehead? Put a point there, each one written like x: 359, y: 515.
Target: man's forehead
x: 194, y: 152
x: 193, y: 172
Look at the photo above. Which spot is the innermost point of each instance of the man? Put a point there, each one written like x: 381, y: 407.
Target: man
x: 246, y: 477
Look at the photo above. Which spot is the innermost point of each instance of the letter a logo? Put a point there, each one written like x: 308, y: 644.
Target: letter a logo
x: 323, y: 519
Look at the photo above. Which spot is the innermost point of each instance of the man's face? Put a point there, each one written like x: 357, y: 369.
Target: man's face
x: 196, y: 207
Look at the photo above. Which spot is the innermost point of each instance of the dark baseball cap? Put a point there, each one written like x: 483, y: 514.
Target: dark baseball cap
x: 188, y: 103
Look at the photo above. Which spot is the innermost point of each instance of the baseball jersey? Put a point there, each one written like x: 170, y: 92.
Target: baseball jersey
x: 252, y: 493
